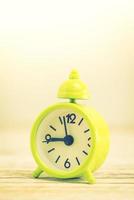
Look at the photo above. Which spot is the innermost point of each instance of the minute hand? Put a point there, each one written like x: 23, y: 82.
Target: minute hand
x: 65, y: 126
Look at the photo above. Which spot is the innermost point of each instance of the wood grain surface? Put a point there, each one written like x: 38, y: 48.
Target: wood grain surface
x: 115, y: 180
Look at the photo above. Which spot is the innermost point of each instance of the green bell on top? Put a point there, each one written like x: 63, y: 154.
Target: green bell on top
x: 73, y: 88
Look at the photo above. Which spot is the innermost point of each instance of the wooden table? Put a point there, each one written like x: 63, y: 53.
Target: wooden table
x: 115, y: 180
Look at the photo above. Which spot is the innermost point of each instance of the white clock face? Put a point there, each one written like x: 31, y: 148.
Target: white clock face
x: 64, y: 139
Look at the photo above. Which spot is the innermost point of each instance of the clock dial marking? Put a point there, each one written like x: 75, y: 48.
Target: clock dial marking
x: 51, y: 150
x: 47, y: 138
x: 80, y: 122
x: 52, y: 127
x: 86, y: 130
x: 57, y: 159
x: 78, y: 162
x: 89, y: 138
x: 67, y: 163
x: 60, y: 120
x: 85, y: 152
x: 71, y: 118
x: 88, y: 145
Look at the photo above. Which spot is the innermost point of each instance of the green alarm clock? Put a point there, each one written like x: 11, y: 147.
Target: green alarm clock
x: 68, y: 139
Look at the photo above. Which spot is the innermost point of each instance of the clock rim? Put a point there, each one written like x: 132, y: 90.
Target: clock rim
x: 85, y: 166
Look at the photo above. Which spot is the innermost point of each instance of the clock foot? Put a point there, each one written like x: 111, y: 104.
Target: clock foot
x: 89, y: 177
x: 37, y: 172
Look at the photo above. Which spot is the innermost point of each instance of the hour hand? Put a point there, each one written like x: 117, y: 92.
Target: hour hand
x: 48, y: 139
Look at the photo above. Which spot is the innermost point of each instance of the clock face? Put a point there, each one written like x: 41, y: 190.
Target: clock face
x: 64, y: 139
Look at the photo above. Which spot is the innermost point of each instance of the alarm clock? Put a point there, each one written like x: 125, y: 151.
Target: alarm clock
x: 69, y: 139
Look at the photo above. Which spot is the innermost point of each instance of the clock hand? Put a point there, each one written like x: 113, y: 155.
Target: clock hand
x: 68, y: 139
x: 48, y: 139
x: 65, y: 126
x: 54, y: 139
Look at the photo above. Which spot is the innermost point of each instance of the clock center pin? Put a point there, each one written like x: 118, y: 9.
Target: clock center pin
x: 68, y: 140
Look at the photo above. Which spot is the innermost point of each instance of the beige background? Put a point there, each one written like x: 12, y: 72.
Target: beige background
x: 41, y: 42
